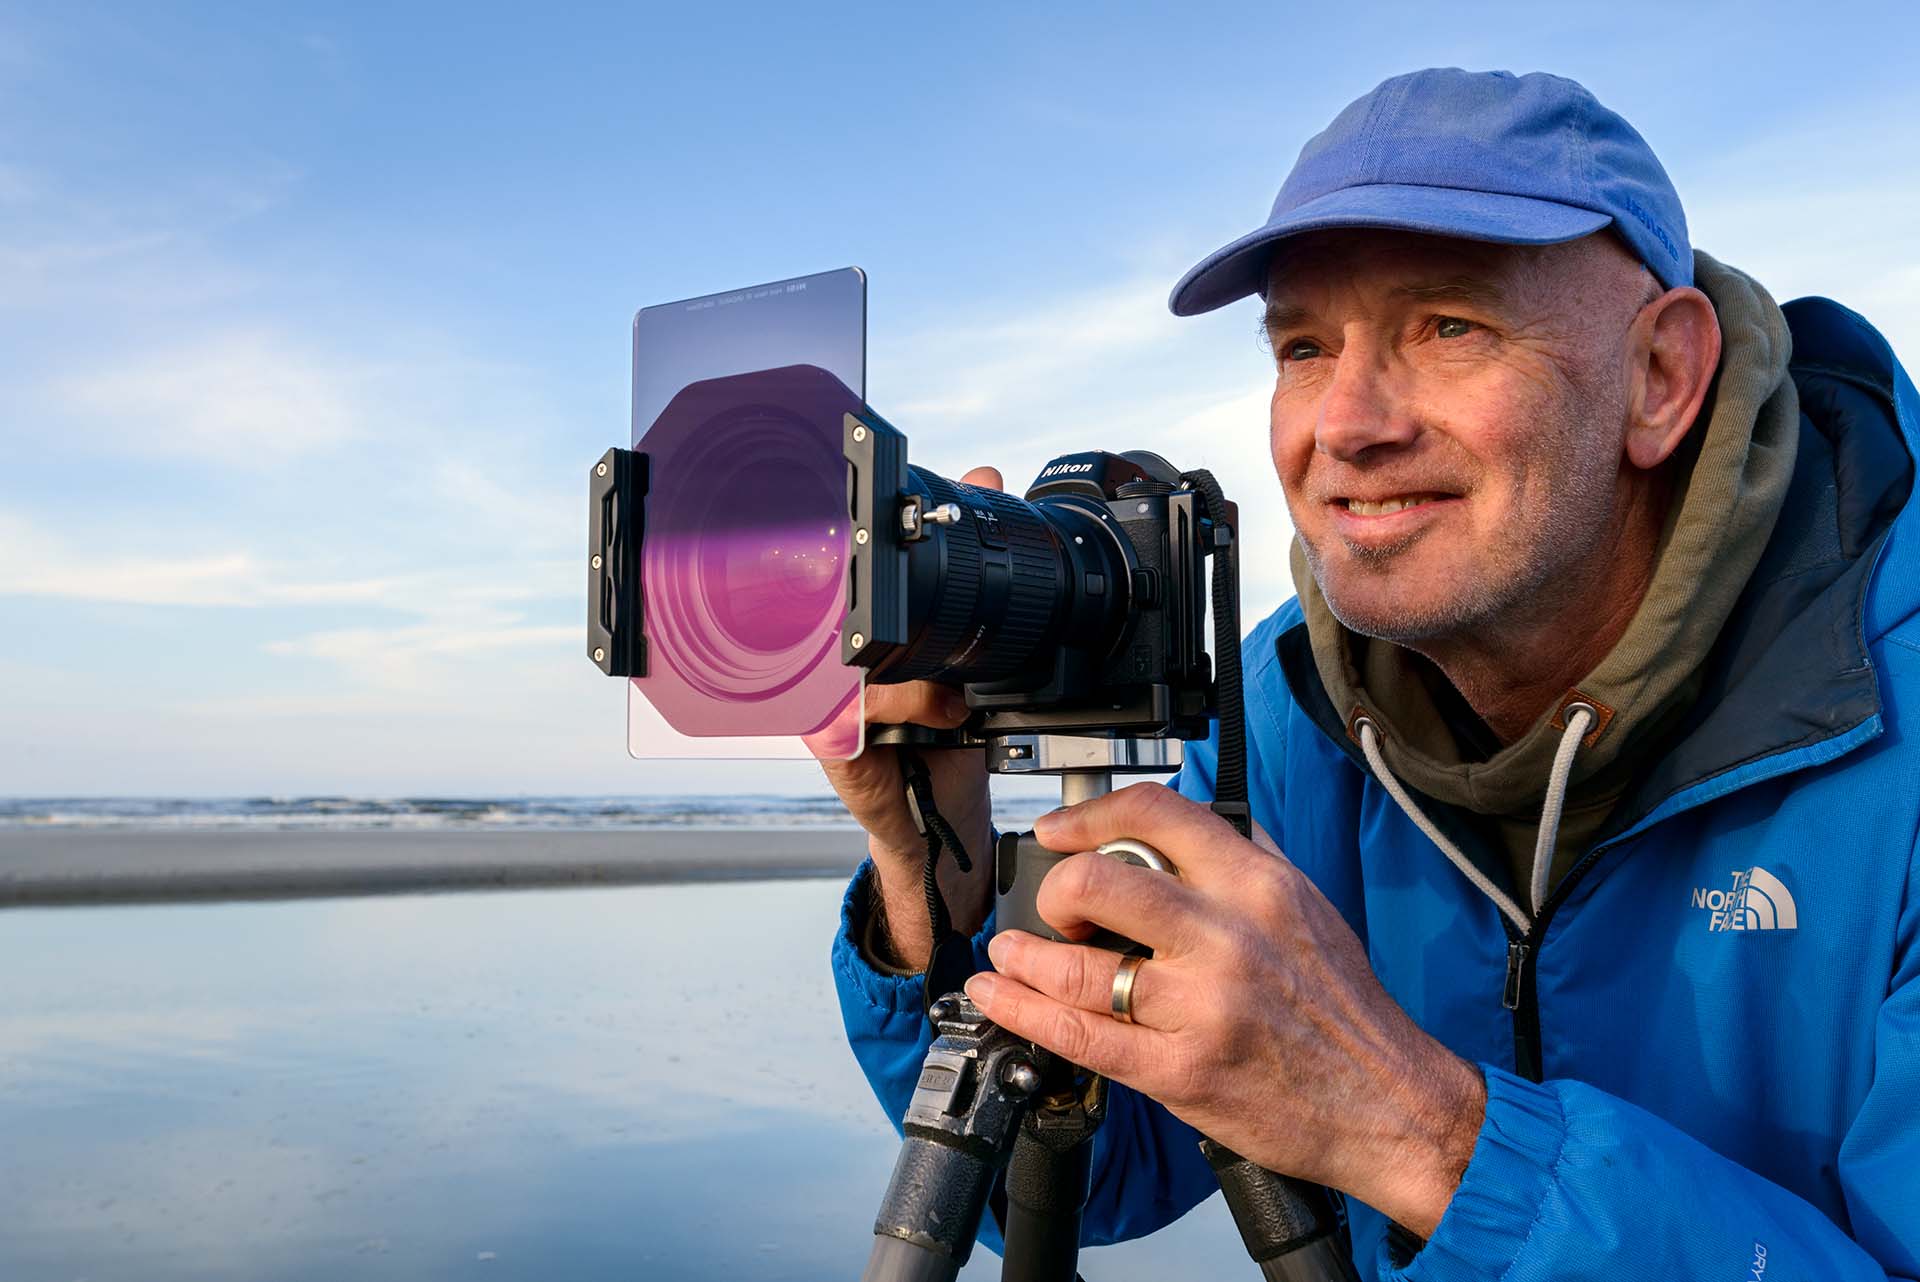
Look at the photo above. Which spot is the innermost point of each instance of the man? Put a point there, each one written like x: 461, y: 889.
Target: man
x: 1594, y: 949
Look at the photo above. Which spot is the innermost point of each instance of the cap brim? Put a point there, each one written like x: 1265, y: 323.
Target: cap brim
x: 1239, y: 269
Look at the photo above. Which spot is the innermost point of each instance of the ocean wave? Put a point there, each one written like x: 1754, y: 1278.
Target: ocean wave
x: 337, y: 812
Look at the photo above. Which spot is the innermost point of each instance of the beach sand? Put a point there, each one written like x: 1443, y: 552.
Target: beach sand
x: 105, y: 865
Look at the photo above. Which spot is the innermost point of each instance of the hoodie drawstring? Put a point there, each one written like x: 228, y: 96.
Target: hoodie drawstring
x: 1579, y: 717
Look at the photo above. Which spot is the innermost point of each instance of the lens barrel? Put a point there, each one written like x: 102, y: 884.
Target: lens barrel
x: 993, y: 595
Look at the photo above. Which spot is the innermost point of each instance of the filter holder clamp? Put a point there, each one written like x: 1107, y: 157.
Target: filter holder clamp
x: 616, y: 524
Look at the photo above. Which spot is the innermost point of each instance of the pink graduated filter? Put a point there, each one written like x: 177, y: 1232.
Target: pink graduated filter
x: 743, y: 569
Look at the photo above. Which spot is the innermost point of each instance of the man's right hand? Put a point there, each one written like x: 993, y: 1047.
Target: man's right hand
x: 874, y: 792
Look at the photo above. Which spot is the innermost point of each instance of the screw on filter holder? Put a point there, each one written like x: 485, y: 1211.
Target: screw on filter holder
x: 914, y: 519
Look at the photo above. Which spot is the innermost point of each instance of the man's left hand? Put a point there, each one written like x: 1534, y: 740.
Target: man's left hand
x: 1258, y: 1020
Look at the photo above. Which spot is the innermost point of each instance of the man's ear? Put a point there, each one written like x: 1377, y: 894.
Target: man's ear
x: 1673, y: 349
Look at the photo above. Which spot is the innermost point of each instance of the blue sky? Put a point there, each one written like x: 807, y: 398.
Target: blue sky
x: 312, y: 317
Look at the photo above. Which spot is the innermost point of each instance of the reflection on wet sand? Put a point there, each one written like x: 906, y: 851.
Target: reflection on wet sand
x: 645, y: 1082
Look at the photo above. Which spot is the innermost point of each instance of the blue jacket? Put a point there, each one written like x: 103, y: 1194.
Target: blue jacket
x: 1706, y: 1063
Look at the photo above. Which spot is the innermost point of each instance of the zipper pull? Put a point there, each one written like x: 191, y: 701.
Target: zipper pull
x: 1516, y: 967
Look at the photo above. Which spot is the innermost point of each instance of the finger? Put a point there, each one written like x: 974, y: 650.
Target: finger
x: 1100, y: 1043
x: 1204, y: 847
x: 921, y: 703
x: 1082, y: 976
x: 1091, y: 889
x: 987, y: 478
x: 831, y: 742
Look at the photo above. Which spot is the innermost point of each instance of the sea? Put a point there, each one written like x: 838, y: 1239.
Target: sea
x: 424, y: 813
x: 707, y: 811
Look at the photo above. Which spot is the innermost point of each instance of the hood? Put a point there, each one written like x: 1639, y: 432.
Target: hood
x: 1863, y: 425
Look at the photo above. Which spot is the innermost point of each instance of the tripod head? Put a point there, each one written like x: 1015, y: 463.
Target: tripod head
x: 1086, y: 766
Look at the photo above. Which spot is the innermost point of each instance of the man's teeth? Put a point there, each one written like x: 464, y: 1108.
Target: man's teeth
x: 1360, y: 507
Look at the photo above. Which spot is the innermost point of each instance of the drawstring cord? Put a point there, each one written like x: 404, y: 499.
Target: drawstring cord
x: 1580, y: 716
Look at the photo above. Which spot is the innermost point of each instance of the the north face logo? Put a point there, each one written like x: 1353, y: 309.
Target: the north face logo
x: 1757, y: 901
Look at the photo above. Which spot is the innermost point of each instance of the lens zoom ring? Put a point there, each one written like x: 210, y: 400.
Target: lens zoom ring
x: 1032, y: 596
x: 1038, y: 594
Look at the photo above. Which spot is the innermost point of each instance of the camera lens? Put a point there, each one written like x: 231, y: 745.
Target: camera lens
x: 994, y: 595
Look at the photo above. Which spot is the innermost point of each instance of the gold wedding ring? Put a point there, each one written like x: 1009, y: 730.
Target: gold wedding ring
x: 1123, y: 987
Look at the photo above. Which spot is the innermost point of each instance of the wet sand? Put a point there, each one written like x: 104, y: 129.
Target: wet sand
x: 102, y: 866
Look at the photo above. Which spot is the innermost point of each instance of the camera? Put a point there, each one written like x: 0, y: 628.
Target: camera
x: 766, y: 547
x: 1077, y: 607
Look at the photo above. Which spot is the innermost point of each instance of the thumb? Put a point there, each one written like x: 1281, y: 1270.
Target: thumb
x: 987, y: 478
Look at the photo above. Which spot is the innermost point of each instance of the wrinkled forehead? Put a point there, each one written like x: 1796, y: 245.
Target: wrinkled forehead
x: 1366, y: 260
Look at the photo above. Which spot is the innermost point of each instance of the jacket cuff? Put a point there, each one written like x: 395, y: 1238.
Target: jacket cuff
x: 887, y: 994
x: 1514, y: 1167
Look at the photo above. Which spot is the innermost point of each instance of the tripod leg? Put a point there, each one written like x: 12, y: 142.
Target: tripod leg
x: 960, y: 1127
x: 1047, y: 1186
x: 1288, y: 1225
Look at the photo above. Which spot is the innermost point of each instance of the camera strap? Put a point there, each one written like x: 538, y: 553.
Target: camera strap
x: 1230, y: 776
x: 950, y: 964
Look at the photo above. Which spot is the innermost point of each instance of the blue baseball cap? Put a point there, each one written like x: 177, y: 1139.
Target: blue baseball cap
x: 1518, y: 160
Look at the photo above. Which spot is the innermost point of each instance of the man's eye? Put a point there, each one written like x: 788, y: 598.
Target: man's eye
x: 1300, y: 349
x: 1451, y: 327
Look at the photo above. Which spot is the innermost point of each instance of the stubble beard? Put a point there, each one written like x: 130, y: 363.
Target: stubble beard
x: 1530, y: 571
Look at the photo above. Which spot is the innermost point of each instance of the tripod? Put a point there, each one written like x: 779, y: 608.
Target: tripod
x: 988, y: 1102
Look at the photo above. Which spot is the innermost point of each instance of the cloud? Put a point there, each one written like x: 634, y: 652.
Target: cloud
x: 36, y: 562
x: 416, y: 656
x: 977, y: 367
x: 249, y: 398
x: 22, y: 259
x: 1036, y: 372
x: 65, y: 249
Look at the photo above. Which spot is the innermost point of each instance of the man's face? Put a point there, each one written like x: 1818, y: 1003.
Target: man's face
x: 1448, y: 420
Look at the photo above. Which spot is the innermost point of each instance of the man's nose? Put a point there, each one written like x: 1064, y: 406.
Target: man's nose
x: 1362, y: 408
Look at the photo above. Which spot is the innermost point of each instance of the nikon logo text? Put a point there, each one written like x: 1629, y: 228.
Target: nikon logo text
x: 1065, y: 469
x: 1757, y: 900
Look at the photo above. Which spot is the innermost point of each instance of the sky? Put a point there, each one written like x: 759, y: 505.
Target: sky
x: 312, y: 318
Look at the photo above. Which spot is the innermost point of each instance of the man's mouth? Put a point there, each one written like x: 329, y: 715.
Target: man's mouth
x: 1387, y: 506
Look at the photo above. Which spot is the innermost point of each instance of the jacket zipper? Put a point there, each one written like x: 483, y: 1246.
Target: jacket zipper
x: 1519, y: 994
x: 1517, y: 950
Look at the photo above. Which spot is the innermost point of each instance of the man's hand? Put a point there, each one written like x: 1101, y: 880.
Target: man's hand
x: 1258, y: 1019
x: 874, y: 792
